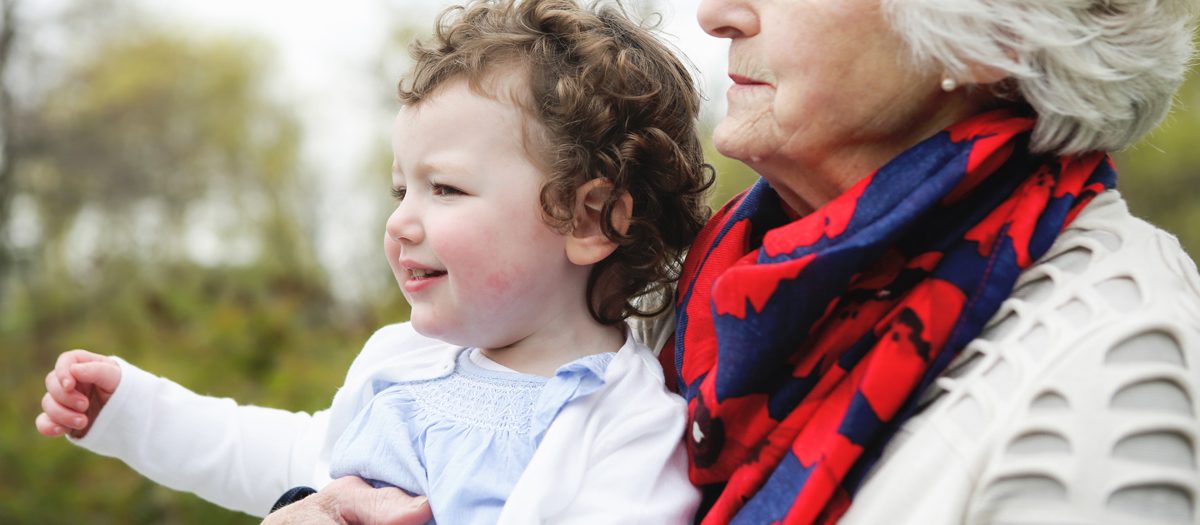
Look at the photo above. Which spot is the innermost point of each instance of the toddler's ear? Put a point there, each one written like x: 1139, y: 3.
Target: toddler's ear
x: 587, y: 244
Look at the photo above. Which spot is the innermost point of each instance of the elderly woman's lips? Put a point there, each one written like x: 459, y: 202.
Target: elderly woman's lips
x: 746, y: 89
x: 745, y: 81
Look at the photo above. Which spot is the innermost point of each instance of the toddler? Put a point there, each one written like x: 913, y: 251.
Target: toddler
x: 548, y: 177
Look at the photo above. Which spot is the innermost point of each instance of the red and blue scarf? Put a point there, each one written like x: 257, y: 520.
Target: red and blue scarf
x: 801, y: 343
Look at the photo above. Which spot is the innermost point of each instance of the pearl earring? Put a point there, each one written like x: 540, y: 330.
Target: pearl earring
x: 949, y: 84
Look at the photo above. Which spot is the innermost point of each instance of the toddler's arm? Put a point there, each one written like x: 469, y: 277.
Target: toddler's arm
x: 239, y: 457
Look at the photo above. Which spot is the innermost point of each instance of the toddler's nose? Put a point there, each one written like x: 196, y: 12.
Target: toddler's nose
x: 404, y: 226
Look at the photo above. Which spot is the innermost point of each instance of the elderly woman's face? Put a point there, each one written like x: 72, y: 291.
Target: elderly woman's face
x: 819, y: 85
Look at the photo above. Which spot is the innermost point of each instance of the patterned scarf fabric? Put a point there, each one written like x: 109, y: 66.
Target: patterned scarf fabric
x: 801, y: 343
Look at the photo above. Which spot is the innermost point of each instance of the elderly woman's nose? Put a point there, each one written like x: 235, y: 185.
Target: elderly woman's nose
x: 728, y: 18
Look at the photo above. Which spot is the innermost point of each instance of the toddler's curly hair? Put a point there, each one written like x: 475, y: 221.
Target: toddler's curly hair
x: 613, y: 102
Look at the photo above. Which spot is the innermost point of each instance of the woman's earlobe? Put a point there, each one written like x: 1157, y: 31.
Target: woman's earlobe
x: 985, y: 75
x: 587, y: 243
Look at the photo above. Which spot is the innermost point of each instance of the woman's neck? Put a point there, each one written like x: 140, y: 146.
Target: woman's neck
x: 810, y: 180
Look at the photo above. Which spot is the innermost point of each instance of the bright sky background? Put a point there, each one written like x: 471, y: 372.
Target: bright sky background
x: 327, y: 51
x: 326, y: 48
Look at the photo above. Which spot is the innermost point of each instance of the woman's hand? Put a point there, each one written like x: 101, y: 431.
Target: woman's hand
x: 351, y: 501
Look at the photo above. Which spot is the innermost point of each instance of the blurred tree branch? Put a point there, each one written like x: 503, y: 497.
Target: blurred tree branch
x: 8, y: 34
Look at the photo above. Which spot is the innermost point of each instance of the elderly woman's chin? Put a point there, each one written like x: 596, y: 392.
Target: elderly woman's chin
x: 744, y: 134
x: 732, y: 138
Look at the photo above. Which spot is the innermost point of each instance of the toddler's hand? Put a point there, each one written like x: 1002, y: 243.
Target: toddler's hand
x: 76, y: 390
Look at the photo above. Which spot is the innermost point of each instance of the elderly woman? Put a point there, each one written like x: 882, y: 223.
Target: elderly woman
x: 934, y: 307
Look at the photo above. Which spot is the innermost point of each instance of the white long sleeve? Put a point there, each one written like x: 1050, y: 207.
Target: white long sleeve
x: 240, y: 457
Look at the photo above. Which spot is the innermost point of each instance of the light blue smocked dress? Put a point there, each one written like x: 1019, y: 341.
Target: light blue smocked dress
x: 464, y: 439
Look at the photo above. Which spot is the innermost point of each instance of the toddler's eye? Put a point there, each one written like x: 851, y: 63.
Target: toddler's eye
x: 398, y: 193
x: 444, y: 190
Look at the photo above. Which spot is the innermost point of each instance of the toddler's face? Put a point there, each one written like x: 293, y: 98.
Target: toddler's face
x: 467, y: 242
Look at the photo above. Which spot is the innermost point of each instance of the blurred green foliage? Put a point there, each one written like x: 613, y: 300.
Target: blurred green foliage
x: 149, y: 124
x: 1160, y: 176
x: 143, y: 134
x: 261, y: 336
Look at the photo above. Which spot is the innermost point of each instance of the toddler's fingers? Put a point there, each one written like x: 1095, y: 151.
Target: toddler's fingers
x: 106, y: 375
x: 72, y: 398
x: 48, y: 428
x: 61, y: 415
x: 66, y: 359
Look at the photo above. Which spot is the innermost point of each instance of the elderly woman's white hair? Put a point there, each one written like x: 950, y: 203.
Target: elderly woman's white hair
x: 1099, y: 73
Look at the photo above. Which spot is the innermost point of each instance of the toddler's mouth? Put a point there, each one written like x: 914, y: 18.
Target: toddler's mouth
x: 425, y: 274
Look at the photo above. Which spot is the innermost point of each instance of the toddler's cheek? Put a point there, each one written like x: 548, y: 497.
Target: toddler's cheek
x: 497, y: 283
x: 500, y: 285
